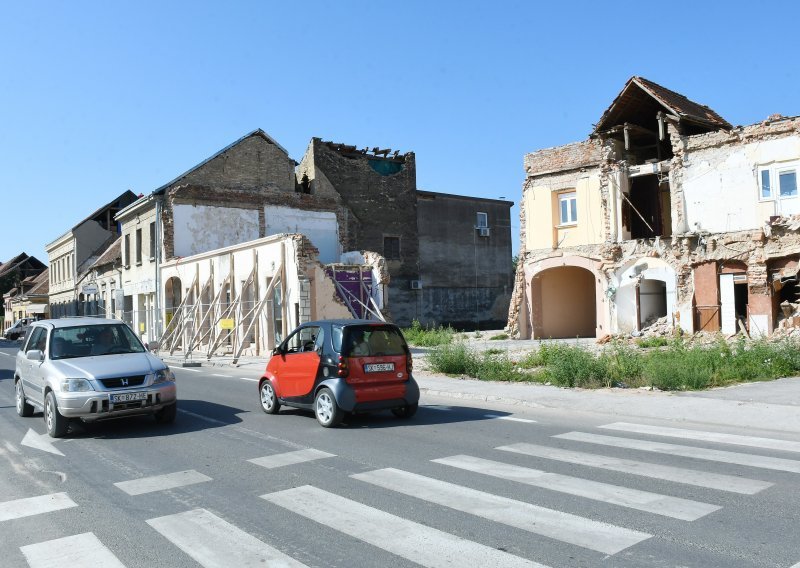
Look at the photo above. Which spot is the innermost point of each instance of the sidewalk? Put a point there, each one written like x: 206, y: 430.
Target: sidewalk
x: 773, y: 405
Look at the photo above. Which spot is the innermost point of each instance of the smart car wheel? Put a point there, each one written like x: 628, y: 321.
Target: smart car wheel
x: 405, y: 411
x: 326, y: 410
x: 269, y: 402
x: 57, y: 425
x: 23, y: 408
x: 167, y: 414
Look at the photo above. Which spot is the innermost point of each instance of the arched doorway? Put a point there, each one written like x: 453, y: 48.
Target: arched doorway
x: 172, y: 297
x: 564, y: 303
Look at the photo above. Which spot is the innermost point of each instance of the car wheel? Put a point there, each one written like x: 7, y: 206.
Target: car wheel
x: 167, y: 414
x: 57, y: 425
x: 269, y: 401
x: 405, y: 411
x: 326, y: 410
x: 23, y: 408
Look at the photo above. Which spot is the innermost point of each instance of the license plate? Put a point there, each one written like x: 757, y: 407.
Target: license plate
x: 378, y: 367
x: 128, y: 397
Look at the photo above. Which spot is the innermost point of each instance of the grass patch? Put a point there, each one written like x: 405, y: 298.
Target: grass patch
x: 428, y: 336
x: 498, y: 337
x: 678, y: 366
x: 652, y: 342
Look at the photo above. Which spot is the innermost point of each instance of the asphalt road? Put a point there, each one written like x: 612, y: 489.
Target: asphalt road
x: 457, y: 485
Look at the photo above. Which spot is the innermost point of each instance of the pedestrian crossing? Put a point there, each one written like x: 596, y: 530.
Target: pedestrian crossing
x: 212, y: 538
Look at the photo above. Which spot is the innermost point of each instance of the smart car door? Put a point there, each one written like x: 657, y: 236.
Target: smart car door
x: 301, y: 363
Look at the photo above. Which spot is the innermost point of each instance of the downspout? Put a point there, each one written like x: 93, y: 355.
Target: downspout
x: 157, y: 315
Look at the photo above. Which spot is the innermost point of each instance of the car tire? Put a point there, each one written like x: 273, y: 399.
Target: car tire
x: 167, y: 414
x: 269, y: 400
x: 326, y: 410
x: 57, y: 425
x: 406, y: 412
x: 23, y: 408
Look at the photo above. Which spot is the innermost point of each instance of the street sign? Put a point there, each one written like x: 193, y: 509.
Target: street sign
x: 226, y: 324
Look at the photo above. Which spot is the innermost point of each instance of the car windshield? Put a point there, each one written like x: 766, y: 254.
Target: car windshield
x: 93, y: 340
x: 373, y: 340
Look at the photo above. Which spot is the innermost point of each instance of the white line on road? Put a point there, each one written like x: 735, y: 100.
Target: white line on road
x: 418, y: 543
x: 678, y: 475
x: 201, y: 417
x: 248, y: 379
x: 219, y: 375
x: 186, y: 369
x: 162, y: 482
x: 35, y: 506
x: 750, y: 460
x: 215, y: 543
x: 78, y: 550
x: 665, y: 505
x: 6, y: 354
x: 291, y: 458
x: 511, y: 418
x: 580, y: 531
x: 751, y: 441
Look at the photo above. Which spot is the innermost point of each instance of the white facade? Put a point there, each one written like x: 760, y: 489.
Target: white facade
x: 320, y: 227
x: 201, y: 228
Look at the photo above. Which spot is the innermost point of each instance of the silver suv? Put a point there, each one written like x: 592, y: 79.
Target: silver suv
x: 90, y: 369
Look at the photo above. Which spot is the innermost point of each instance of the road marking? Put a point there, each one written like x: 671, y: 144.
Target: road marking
x: 291, y: 458
x: 438, y: 407
x: 162, y: 482
x: 248, y: 379
x: 6, y: 354
x: 418, y: 543
x: 218, y: 375
x: 78, y: 550
x: 511, y: 418
x: 580, y: 531
x: 201, y: 417
x: 665, y: 505
x: 215, y: 543
x: 751, y: 441
x: 30, y: 506
x: 186, y: 369
x: 750, y: 460
x: 40, y: 441
x: 669, y: 473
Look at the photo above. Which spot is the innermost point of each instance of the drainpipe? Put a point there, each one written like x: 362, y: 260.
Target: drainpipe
x: 157, y: 296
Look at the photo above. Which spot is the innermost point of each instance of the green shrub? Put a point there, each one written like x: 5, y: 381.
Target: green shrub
x: 621, y: 364
x: 428, y: 336
x: 491, y: 365
x: 571, y: 366
x: 498, y: 337
x: 646, y: 342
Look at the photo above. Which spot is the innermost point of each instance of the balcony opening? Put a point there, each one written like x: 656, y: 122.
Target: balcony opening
x: 646, y: 212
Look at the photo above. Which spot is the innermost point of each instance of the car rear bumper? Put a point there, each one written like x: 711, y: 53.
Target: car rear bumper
x: 95, y: 405
x: 383, y: 397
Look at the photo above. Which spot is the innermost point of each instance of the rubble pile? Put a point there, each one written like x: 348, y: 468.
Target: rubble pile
x: 657, y: 327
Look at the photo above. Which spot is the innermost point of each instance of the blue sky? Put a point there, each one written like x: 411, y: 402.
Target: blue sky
x: 100, y: 97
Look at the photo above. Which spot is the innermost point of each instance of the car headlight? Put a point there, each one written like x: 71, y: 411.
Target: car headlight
x: 164, y: 375
x: 76, y: 385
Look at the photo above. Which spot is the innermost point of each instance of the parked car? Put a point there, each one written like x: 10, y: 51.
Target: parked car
x: 334, y: 367
x: 18, y: 330
x: 90, y: 369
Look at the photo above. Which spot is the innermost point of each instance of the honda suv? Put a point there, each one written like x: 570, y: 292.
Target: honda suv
x: 90, y: 369
x: 335, y: 367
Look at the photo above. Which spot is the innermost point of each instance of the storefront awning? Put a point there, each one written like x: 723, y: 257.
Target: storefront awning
x: 36, y: 308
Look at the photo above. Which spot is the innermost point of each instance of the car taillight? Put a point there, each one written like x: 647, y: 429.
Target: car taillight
x: 409, y: 362
x: 342, y: 367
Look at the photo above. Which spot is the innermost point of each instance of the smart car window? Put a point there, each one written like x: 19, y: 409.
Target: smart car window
x: 336, y: 338
x: 371, y: 341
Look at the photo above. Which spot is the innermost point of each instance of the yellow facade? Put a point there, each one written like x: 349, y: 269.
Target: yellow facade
x: 542, y: 219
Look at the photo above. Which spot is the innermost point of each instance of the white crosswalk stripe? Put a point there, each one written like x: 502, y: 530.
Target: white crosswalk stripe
x: 78, y: 550
x: 594, y: 535
x: 215, y: 543
x: 665, y: 505
x: 291, y: 458
x: 732, y: 439
x: 162, y: 482
x: 510, y: 418
x: 750, y: 460
x: 30, y: 506
x: 669, y: 473
x: 413, y: 541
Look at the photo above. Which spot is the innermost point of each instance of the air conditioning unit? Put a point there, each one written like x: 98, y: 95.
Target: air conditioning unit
x: 484, y: 231
x: 416, y: 284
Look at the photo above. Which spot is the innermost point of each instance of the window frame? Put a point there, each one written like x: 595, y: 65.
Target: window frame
x: 485, y: 217
x: 774, y: 172
x: 127, y: 252
x: 138, y: 247
x: 399, y: 248
x: 152, y: 241
x: 568, y: 197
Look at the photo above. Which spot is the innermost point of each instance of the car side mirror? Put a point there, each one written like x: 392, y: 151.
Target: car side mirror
x: 35, y: 355
x: 277, y: 351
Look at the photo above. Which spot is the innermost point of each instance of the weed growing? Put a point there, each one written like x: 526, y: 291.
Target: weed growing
x: 428, y: 336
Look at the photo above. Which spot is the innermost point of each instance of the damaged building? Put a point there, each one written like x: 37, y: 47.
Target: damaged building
x: 665, y: 213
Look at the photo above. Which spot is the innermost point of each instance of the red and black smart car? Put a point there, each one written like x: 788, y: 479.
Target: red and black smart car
x: 341, y: 366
